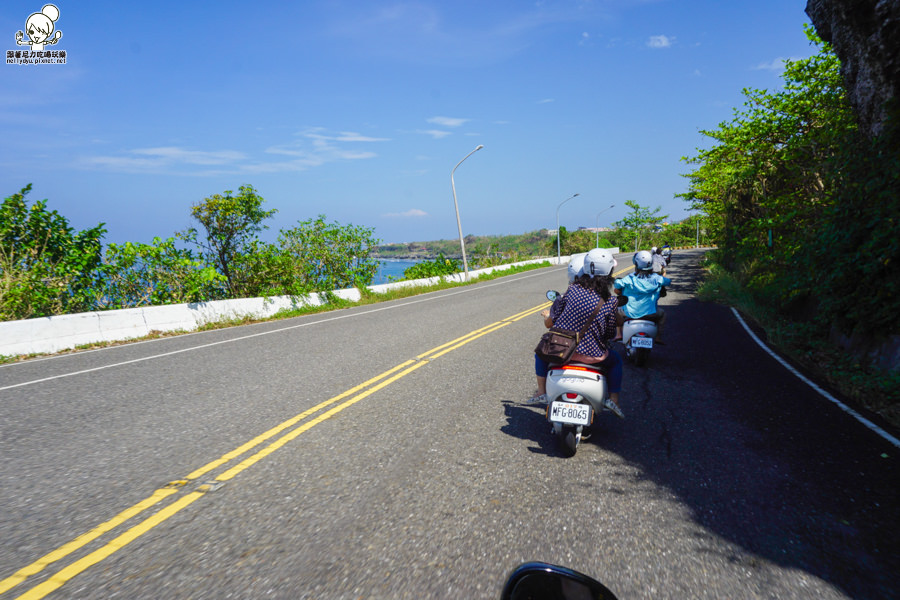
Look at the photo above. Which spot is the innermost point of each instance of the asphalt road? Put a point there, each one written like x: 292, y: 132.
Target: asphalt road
x: 207, y: 466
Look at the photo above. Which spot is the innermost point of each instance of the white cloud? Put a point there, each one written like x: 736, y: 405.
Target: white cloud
x: 325, y: 148
x: 315, y: 147
x: 161, y: 159
x: 447, y: 121
x: 344, y: 136
x: 546, y: 101
x: 413, y: 212
x: 660, y: 41
x: 435, y: 133
x: 192, y: 157
x: 121, y: 163
x: 776, y: 64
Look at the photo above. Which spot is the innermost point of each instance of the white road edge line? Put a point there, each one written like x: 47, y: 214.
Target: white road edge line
x: 884, y: 434
x: 417, y: 300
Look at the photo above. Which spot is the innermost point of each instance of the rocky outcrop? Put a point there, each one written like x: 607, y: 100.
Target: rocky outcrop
x: 865, y: 35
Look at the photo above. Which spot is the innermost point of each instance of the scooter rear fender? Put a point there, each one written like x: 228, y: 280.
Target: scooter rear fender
x: 590, y: 384
x: 636, y: 326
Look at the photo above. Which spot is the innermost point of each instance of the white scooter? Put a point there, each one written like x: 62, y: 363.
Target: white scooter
x: 576, y: 392
x: 638, y: 336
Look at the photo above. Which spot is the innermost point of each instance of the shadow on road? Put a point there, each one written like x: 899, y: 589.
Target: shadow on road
x: 762, y: 461
x: 529, y: 423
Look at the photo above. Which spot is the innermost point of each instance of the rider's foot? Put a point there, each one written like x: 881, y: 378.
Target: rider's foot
x: 612, y: 406
x: 539, y: 399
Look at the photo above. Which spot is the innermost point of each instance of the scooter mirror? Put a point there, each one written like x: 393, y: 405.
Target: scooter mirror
x: 552, y: 295
x: 550, y: 582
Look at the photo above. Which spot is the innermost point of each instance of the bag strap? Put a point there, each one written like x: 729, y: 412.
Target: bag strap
x: 590, y: 320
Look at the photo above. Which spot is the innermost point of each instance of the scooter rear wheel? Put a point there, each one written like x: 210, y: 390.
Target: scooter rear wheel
x: 569, y: 443
x: 641, y: 356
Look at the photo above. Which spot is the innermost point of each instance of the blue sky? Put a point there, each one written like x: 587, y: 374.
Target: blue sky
x: 359, y: 110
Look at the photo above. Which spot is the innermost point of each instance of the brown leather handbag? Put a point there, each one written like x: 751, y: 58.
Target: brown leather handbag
x: 558, y: 344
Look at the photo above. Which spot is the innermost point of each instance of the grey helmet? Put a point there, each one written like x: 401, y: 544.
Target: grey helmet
x: 643, y: 261
x: 599, y: 262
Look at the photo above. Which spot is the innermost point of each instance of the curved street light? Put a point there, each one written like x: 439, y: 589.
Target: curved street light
x: 597, y: 242
x: 462, y: 245
x: 557, y: 224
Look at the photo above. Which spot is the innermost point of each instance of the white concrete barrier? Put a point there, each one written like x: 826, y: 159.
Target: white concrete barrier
x: 64, y: 332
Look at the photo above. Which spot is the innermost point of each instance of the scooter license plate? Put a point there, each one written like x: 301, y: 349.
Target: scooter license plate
x: 569, y: 412
x: 641, y: 342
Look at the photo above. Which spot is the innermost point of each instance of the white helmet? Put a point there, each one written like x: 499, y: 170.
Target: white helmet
x: 576, y: 264
x: 599, y: 262
x: 653, y: 250
x: 643, y: 261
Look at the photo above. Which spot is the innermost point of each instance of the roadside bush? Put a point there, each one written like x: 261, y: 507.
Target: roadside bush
x: 320, y: 256
x: 155, y: 273
x: 433, y: 268
x: 46, y: 267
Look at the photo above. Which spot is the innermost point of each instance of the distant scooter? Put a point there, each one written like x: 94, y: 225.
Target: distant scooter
x: 667, y: 254
x: 638, y: 336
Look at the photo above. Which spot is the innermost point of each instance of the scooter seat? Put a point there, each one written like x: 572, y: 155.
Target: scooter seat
x: 651, y: 318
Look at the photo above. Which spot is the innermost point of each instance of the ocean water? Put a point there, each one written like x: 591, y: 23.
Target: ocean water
x: 391, y: 268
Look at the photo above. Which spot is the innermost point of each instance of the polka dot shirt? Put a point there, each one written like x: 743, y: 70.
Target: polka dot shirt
x: 572, y: 309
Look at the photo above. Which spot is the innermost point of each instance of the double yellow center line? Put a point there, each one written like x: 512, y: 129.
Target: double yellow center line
x: 288, y: 431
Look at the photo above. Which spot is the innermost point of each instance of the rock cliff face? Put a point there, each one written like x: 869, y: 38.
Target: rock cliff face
x: 865, y: 35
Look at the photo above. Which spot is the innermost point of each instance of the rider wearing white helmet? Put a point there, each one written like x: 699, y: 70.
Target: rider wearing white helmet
x: 576, y: 263
x: 659, y: 262
x: 643, y: 288
x: 599, y: 262
x: 572, y: 310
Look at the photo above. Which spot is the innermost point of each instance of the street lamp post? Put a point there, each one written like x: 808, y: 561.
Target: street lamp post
x: 597, y: 241
x: 462, y: 244
x: 557, y: 224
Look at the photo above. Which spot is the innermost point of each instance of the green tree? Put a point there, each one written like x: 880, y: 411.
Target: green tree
x: 46, y: 267
x: 640, y: 223
x: 230, y: 226
x: 851, y: 270
x: 686, y: 232
x: 764, y: 182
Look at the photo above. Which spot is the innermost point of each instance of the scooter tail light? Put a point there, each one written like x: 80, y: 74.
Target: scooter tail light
x: 571, y: 396
x: 570, y: 367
